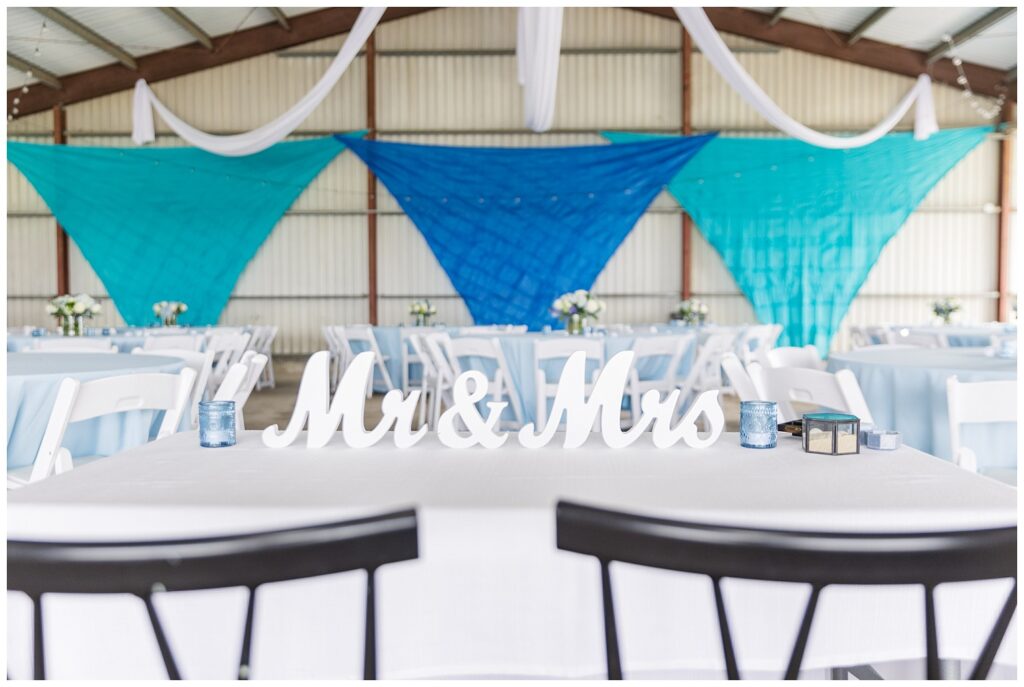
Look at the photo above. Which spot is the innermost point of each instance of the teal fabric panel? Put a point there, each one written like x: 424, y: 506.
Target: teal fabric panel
x: 514, y: 228
x: 170, y: 223
x: 800, y: 227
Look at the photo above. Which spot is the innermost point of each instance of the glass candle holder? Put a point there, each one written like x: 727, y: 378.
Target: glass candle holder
x: 759, y: 424
x: 832, y: 434
x: 216, y: 424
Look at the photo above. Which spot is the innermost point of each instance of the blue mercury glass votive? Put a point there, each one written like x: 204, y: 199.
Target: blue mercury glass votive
x: 759, y: 424
x: 216, y: 424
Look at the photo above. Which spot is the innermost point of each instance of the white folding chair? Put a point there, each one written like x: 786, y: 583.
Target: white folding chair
x: 185, y: 342
x: 739, y: 378
x: 668, y: 348
x: 865, y: 335
x: 262, y: 342
x: 227, y: 350
x: 77, y: 401
x: 436, y: 349
x: 792, y: 356
x: 560, y: 349
x: 839, y: 391
x: 362, y: 334
x: 337, y: 348
x: 978, y: 403
x: 200, y: 363
x: 499, y: 384
x: 428, y: 386
x: 239, y: 383
x: 73, y: 344
x: 919, y: 338
x: 757, y: 340
x: 706, y: 372
x: 410, y: 356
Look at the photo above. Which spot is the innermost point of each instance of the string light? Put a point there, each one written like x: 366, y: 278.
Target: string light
x: 986, y: 109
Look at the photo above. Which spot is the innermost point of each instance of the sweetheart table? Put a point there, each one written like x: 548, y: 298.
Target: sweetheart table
x: 490, y: 594
x: 32, y: 382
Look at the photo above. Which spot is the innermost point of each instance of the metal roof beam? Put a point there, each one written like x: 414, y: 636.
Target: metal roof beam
x: 280, y: 17
x: 776, y: 16
x: 88, y: 35
x: 38, y: 72
x: 860, y: 29
x: 193, y: 29
x: 970, y: 31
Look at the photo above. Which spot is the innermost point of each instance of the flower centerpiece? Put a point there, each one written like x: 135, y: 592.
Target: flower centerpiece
x: 70, y: 312
x: 575, y: 308
x: 422, y: 311
x: 691, y: 311
x: 945, y: 309
x: 167, y: 312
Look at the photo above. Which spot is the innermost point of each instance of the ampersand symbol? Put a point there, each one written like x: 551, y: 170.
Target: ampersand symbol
x: 481, y: 431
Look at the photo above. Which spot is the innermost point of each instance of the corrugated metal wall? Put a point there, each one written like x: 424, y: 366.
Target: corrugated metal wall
x: 621, y: 70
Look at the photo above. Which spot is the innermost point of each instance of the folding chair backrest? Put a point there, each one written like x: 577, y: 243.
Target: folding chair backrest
x: 739, y: 378
x: 200, y: 363
x: 78, y: 401
x: 839, y: 391
x: 921, y: 338
x: 793, y: 356
x: 978, y: 403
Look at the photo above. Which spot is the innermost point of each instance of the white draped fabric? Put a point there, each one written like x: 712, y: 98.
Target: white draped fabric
x: 714, y: 49
x: 254, y: 141
x: 538, y: 42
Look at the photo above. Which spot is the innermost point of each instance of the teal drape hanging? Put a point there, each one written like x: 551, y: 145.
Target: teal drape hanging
x: 799, y: 227
x: 170, y: 223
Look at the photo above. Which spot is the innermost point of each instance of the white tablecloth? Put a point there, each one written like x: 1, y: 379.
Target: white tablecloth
x: 906, y: 391
x: 490, y: 594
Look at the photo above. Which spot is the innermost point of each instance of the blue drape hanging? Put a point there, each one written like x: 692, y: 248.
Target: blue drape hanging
x: 170, y: 223
x: 800, y: 227
x: 514, y: 228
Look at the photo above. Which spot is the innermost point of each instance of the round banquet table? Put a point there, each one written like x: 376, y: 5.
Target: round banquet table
x: 32, y: 382
x: 518, y: 351
x: 906, y: 391
x: 126, y: 338
x: 962, y: 335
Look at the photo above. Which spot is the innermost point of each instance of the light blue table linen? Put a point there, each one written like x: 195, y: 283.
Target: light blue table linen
x: 126, y: 339
x: 906, y: 391
x: 32, y: 382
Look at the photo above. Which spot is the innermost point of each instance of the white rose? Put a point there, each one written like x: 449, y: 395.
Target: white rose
x: 51, y: 310
x: 182, y: 308
x: 80, y: 308
x: 95, y: 308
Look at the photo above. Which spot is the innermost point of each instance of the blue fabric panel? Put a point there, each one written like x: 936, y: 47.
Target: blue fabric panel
x: 800, y: 227
x: 170, y: 223
x: 514, y: 228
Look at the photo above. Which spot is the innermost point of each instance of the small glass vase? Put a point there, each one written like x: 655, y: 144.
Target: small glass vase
x: 575, y: 325
x: 422, y: 321
x: 71, y: 326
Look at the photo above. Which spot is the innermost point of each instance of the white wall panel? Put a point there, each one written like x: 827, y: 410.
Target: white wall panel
x: 31, y: 247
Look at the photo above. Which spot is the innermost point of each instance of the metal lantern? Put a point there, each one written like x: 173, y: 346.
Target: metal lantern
x: 831, y: 434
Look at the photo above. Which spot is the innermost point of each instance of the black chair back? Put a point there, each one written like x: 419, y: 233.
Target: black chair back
x: 819, y: 559
x: 244, y: 560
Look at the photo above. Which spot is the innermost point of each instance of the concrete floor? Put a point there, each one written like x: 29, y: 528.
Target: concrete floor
x: 274, y: 406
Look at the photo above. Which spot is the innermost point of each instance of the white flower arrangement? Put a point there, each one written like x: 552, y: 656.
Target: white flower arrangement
x: 945, y: 309
x: 422, y: 310
x: 576, y: 306
x: 70, y: 310
x: 167, y: 311
x: 68, y: 306
x: 692, y: 311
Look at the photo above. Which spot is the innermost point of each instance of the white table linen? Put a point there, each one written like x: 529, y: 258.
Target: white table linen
x: 490, y: 594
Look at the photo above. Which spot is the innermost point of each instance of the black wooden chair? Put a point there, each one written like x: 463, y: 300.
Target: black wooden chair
x: 245, y: 560
x: 819, y: 559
